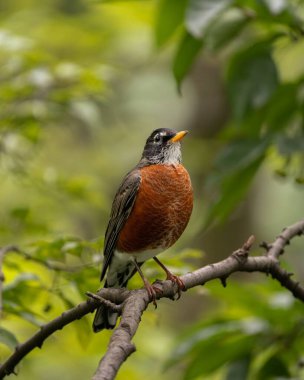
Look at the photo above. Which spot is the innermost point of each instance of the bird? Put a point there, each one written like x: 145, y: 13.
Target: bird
x: 150, y: 211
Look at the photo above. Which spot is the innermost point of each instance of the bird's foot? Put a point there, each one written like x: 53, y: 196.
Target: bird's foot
x: 178, y: 281
x: 152, y: 291
x: 170, y: 276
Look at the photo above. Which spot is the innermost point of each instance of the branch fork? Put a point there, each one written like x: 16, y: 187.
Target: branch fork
x: 104, y: 301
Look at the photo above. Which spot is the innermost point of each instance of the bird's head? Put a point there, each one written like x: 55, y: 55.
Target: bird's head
x: 163, y: 147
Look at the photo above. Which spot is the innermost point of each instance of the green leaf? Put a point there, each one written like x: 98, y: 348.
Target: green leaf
x: 237, y: 165
x: 233, y: 189
x: 225, y: 28
x: 8, y: 338
x: 283, y: 106
x: 216, y: 333
x: 290, y: 145
x: 200, y: 14
x: 187, y: 51
x: 20, y: 213
x: 239, y: 369
x: 240, y: 154
x: 282, y: 12
x: 263, y: 300
x: 224, y: 349
x: 30, y: 317
x: 20, y: 281
x: 275, y: 6
x: 22, y: 295
x: 83, y: 330
x: 273, y: 368
x: 169, y: 17
x: 252, y: 79
x: 57, y: 249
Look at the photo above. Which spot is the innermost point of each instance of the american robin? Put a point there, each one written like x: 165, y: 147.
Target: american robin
x: 150, y: 211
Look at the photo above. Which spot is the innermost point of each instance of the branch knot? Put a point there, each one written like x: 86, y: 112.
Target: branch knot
x: 241, y: 254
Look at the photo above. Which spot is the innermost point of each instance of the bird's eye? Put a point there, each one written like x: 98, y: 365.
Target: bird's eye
x: 157, y: 138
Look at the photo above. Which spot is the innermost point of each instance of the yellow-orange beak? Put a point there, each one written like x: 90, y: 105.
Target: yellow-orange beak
x: 178, y: 136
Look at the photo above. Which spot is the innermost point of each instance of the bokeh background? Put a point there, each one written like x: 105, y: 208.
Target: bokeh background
x: 82, y: 85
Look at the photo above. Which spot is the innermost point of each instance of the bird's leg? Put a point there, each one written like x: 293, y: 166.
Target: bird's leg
x: 172, y: 277
x: 151, y: 290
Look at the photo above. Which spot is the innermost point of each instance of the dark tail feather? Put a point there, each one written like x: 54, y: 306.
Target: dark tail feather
x: 104, y: 319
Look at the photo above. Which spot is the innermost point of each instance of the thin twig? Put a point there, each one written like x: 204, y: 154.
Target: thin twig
x: 52, y: 265
x: 56, y: 266
x: 105, y: 302
x: 277, y: 247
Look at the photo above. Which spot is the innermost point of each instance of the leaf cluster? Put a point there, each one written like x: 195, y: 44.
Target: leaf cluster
x: 57, y: 275
x: 255, y: 333
x: 251, y: 39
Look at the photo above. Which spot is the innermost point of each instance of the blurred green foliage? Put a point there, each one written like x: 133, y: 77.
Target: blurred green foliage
x: 256, y: 335
x: 71, y: 74
x: 266, y: 108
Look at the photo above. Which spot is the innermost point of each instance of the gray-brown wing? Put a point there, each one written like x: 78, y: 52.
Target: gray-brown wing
x: 121, y: 208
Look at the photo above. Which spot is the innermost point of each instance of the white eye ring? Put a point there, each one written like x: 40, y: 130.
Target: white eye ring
x: 157, y: 138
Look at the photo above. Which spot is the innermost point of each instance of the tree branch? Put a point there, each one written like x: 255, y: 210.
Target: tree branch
x: 133, y: 303
x: 37, y: 340
x: 277, y: 248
